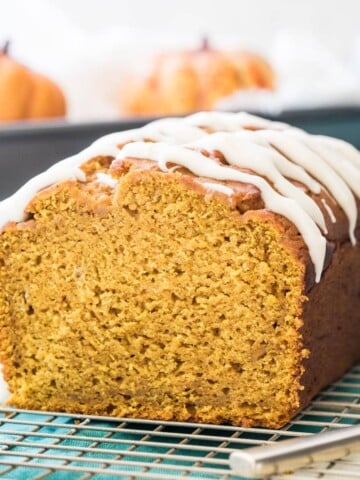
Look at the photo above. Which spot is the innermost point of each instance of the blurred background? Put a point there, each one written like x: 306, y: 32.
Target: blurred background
x: 110, y: 58
x: 71, y: 71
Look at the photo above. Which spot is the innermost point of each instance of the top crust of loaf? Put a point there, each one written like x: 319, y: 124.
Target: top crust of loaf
x: 234, y: 158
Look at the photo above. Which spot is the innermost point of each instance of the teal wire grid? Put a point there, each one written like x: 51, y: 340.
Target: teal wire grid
x: 42, y: 445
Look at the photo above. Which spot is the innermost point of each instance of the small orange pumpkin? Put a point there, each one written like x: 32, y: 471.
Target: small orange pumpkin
x: 25, y: 94
x: 181, y: 82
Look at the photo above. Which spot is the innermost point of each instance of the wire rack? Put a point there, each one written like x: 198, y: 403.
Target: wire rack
x: 42, y: 445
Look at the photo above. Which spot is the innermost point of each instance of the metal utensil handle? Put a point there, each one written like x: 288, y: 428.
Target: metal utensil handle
x: 258, y: 462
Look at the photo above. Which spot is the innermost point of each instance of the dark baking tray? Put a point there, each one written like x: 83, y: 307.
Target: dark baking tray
x: 27, y: 149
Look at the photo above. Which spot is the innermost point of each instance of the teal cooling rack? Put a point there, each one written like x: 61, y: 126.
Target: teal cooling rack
x: 42, y: 445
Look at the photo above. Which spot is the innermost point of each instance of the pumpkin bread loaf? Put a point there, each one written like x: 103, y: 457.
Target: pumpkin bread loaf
x: 199, y: 269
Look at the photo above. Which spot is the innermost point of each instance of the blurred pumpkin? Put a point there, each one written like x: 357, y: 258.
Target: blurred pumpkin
x: 25, y: 94
x: 181, y: 82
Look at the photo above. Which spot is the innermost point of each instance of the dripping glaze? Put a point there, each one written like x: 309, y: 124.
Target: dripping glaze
x: 273, y: 151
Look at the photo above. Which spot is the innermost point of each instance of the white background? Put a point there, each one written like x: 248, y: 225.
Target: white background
x: 252, y: 22
x: 89, y: 45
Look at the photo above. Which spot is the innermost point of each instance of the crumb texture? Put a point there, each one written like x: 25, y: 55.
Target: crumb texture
x: 152, y: 303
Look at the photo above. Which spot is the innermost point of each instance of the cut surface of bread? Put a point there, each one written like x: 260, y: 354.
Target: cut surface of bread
x: 168, y: 279
x: 159, y: 305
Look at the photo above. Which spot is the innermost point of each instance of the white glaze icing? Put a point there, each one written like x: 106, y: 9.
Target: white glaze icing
x: 285, y: 166
x: 273, y: 150
x: 106, y: 179
x: 295, y: 146
x: 231, y: 122
x: 329, y: 210
x: 12, y: 209
x: 351, y: 153
x: 347, y: 170
x: 199, y: 164
x: 218, y: 187
x: 240, y: 150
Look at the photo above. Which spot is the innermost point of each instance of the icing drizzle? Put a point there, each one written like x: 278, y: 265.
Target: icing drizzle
x: 199, y: 164
x: 273, y: 152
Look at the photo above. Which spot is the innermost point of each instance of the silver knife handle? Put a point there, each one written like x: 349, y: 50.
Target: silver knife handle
x: 258, y: 462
